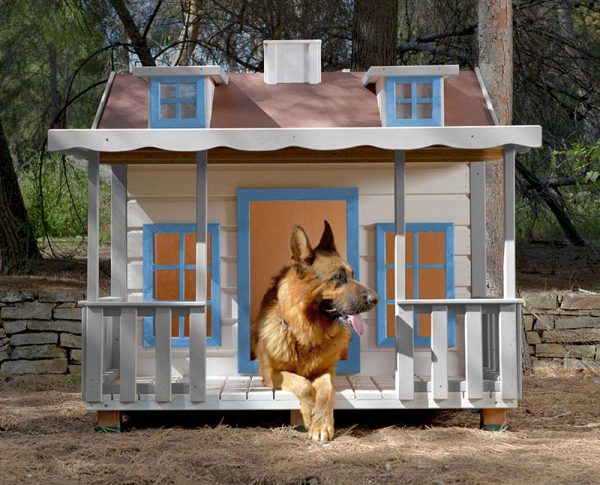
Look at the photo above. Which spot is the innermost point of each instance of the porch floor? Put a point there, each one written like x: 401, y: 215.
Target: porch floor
x: 248, y: 392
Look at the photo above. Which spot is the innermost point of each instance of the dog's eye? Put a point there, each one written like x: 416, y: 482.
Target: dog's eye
x: 341, y: 276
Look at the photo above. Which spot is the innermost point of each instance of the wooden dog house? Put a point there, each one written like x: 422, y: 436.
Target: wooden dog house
x: 211, y: 169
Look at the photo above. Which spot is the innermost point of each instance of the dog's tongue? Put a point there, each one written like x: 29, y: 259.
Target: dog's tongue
x: 358, y: 324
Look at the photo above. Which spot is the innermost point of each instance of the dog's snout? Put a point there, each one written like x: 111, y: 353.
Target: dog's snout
x: 371, y: 298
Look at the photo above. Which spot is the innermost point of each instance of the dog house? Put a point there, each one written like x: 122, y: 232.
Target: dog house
x: 210, y: 170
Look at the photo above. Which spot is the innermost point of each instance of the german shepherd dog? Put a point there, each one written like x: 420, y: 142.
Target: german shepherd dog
x: 304, y: 324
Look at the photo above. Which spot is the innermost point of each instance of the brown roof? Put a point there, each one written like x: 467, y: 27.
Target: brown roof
x: 339, y: 101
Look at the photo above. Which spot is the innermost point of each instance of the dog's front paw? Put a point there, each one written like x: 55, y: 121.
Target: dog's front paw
x: 321, y: 430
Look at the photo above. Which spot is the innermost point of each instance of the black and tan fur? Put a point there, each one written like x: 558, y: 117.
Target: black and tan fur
x: 303, y: 326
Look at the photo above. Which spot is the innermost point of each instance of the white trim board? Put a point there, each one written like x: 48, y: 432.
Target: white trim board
x: 268, y: 139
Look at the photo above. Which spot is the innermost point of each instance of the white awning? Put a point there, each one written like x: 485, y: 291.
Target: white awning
x: 269, y: 139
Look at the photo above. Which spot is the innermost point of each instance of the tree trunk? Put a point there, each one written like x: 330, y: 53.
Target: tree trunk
x: 374, y: 33
x: 17, y: 239
x: 495, y: 37
x: 137, y: 39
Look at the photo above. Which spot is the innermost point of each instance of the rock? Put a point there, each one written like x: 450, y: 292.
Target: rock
x: 558, y: 350
x: 533, y: 338
x: 54, y: 366
x: 577, y: 322
x: 28, y: 311
x: 575, y: 301
x: 75, y: 356
x: 31, y: 352
x: 74, y: 369
x: 583, y: 335
x: 5, y: 354
x: 67, y: 313
x: 531, y: 349
x: 70, y: 341
x: 543, y: 322
x: 2, y: 333
x: 4, y: 342
x: 60, y: 296
x: 541, y: 365
x: 15, y: 326
x: 528, y: 322
x: 581, y: 364
x: 9, y: 296
x: 540, y: 301
x: 70, y: 326
x: 34, y: 338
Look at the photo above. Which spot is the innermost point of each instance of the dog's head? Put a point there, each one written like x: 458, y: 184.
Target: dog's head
x: 335, y: 292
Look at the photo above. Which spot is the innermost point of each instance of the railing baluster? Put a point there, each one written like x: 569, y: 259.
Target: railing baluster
x: 197, y: 355
x: 439, y: 351
x: 405, y: 373
x: 128, y: 354
x: 474, y: 352
x: 162, y: 329
x: 94, y: 349
x: 508, y: 352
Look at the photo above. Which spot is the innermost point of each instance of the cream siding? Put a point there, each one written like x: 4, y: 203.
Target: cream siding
x: 436, y: 192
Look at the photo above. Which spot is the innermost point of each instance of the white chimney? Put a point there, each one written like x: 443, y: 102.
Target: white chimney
x: 292, y: 61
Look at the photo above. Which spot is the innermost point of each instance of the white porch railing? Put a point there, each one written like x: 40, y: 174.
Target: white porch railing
x: 498, y: 319
x: 96, y: 327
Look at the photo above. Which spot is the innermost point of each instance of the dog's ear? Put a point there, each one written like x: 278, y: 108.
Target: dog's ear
x: 302, y: 251
x: 327, y: 243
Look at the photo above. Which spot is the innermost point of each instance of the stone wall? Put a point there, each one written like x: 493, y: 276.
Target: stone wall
x: 40, y: 332
x: 563, y: 329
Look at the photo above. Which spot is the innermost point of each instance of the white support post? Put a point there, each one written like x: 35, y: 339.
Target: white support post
x: 509, y: 272
x: 474, y: 352
x: 94, y: 335
x: 118, y: 251
x: 128, y: 352
x: 93, y: 256
x: 405, y: 381
x: 198, y: 319
x: 509, y: 357
x: 162, y: 359
x: 439, y: 351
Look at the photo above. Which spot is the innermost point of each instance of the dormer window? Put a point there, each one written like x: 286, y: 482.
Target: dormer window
x: 410, y: 95
x: 413, y: 101
x: 181, y: 96
x: 177, y: 102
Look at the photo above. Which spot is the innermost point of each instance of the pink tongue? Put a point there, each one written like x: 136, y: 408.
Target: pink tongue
x: 357, y: 323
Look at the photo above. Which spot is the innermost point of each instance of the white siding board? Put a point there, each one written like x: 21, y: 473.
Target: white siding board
x: 178, y: 181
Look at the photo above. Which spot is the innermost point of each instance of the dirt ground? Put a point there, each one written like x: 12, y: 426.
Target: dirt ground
x: 553, y: 437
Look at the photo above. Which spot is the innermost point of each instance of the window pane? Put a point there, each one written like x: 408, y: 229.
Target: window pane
x: 168, y: 112
x: 190, y: 248
x: 424, y: 326
x: 402, y: 90
x: 424, y: 90
x: 166, y: 249
x: 166, y: 285
x: 403, y: 111
x: 188, y: 111
x: 424, y: 111
x: 432, y: 283
x: 187, y: 90
x: 168, y: 90
x: 432, y: 248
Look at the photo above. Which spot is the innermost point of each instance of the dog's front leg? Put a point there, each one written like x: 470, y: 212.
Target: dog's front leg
x: 322, y: 425
x: 301, y: 387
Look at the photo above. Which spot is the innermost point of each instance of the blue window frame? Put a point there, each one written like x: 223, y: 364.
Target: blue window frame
x: 413, y: 101
x: 383, y: 265
x: 177, y: 102
x: 244, y: 197
x: 150, y: 268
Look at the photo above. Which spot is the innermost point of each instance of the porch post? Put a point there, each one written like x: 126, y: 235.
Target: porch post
x: 198, y: 318
x: 118, y: 253
x: 93, y: 254
x: 509, y: 272
x: 405, y: 383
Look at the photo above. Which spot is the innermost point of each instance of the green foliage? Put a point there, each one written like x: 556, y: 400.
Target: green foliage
x: 64, y: 189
